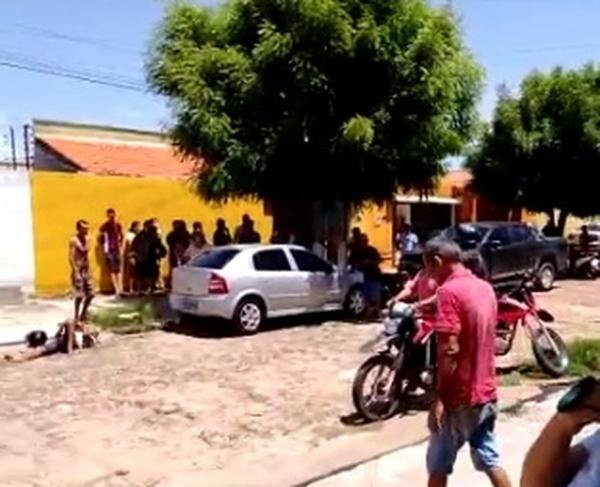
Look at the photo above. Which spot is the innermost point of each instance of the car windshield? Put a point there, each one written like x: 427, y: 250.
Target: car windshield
x: 214, y: 258
x: 467, y: 236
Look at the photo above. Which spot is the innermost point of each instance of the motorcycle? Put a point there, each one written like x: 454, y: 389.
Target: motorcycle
x: 405, y: 357
x: 518, y: 307
x: 404, y: 361
x: 586, y: 265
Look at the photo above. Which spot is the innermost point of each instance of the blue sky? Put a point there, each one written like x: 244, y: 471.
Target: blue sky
x: 509, y: 38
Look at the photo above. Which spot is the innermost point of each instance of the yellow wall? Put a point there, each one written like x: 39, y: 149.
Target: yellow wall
x: 59, y: 200
x: 377, y: 223
x: 540, y: 219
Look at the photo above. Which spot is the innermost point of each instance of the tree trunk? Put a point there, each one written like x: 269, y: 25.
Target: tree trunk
x: 551, y: 218
x: 306, y: 222
x: 562, y: 222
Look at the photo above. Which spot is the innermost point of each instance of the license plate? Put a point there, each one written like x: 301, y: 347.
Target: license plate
x: 189, y: 304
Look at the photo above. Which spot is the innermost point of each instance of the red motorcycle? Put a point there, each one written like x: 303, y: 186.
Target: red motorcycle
x: 518, y: 308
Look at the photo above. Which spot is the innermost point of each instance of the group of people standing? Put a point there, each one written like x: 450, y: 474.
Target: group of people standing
x: 133, y: 258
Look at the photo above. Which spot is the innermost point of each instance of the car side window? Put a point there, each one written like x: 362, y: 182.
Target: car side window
x: 308, y: 262
x: 500, y: 235
x: 520, y: 233
x: 271, y: 260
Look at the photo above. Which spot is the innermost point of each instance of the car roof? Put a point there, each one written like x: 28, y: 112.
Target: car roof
x: 258, y: 246
x: 488, y: 225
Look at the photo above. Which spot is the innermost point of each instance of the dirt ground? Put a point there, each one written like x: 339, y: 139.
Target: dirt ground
x: 149, y: 410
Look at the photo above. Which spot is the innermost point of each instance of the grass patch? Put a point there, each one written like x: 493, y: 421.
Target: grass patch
x: 585, y: 357
x: 134, y: 317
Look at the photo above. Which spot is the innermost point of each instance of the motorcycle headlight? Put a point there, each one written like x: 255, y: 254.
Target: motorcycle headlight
x: 401, y: 311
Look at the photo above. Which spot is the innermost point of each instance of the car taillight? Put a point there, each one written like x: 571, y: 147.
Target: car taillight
x: 217, y: 285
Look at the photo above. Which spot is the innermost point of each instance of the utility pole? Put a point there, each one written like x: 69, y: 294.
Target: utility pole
x: 13, y: 147
x: 26, y: 145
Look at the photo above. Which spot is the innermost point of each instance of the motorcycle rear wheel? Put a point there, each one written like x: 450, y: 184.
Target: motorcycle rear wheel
x: 552, y: 363
x: 383, y: 400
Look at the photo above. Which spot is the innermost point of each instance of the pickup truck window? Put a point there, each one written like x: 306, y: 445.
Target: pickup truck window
x: 466, y: 235
x: 520, y: 233
x: 501, y: 235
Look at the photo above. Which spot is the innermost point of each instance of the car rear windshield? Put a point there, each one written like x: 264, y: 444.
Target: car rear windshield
x: 214, y: 259
x: 468, y: 236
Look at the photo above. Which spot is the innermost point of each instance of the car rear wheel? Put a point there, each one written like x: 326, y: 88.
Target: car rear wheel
x: 249, y: 316
x: 546, y: 275
x: 356, y: 303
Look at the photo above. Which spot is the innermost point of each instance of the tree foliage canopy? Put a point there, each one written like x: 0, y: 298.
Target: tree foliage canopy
x: 319, y: 99
x: 542, y: 149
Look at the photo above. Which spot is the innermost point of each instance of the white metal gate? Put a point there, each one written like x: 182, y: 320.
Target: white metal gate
x: 16, y: 231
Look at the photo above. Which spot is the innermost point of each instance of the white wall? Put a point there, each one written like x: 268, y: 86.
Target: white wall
x: 16, y: 230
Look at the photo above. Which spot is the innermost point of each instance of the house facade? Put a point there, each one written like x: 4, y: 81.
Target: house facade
x: 82, y: 170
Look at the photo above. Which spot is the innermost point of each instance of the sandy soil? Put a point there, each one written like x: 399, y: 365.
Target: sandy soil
x: 146, y: 410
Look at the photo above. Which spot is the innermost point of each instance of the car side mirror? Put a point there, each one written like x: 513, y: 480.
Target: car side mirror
x: 494, y: 244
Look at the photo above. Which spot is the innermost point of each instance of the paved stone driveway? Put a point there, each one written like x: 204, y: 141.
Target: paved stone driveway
x: 162, y: 404
x: 162, y: 407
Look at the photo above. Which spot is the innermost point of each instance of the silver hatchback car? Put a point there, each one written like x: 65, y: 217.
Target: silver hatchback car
x: 247, y: 284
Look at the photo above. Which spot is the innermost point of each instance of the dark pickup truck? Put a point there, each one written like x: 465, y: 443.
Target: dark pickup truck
x: 509, y: 250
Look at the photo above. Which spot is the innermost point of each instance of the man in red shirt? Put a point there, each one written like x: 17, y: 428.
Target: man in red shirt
x: 111, y: 239
x: 465, y: 409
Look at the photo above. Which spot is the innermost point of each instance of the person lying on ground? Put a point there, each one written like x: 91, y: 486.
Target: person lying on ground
x: 38, y: 344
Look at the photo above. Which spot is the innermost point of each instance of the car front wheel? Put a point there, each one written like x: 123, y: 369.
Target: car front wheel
x: 249, y: 316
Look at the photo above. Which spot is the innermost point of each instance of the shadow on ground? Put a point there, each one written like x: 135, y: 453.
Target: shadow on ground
x: 216, y: 328
x: 411, y: 405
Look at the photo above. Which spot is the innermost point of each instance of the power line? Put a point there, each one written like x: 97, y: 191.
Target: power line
x: 106, y: 76
x: 70, y: 75
x: 90, y: 41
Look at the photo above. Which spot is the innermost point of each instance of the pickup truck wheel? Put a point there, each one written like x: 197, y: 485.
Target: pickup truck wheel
x: 546, y: 275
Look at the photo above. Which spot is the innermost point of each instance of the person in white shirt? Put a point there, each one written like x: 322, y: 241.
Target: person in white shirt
x: 407, y: 240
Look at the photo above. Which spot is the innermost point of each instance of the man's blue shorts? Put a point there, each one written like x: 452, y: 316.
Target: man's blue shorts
x: 473, y: 425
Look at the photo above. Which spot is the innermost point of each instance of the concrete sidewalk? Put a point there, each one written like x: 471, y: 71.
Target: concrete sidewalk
x: 18, y: 319
x: 516, y: 433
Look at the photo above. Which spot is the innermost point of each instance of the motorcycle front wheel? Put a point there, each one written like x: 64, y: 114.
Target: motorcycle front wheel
x: 550, y: 351
x: 375, y: 390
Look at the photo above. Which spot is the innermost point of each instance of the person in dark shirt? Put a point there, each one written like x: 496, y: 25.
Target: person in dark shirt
x: 111, y: 240
x: 367, y: 260
x: 149, y: 251
x: 178, y: 241
x: 221, y: 236
x: 245, y: 233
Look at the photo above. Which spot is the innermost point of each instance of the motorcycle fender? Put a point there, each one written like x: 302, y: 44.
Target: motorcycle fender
x: 545, y: 316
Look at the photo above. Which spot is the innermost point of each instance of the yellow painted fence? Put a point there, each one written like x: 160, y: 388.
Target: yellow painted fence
x: 60, y: 199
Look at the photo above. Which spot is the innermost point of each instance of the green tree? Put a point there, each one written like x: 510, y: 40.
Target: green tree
x: 303, y: 100
x: 542, y: 149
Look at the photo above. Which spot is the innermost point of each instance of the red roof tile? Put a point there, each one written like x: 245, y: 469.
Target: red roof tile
x: 120, y: 158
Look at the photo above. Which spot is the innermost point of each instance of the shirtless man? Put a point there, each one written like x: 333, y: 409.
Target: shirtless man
x: 80, y: 277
